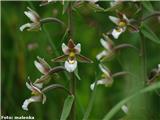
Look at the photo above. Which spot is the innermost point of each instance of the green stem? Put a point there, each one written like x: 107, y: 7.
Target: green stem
x: 143, y: 58
x: 73, y: 90
x: 73, y: 80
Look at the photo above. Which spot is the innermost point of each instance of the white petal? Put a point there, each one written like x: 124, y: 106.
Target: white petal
x: 114, y: 19
x: 31, y: 16
x: 39, y: 85
x: 30, y: 100
x: 29, y: 86
x: 99, y: 82
x: 40, y: 67
x: 93, y: 1
x: 27, y: 25
x: 102, y: 54
x: 51, y: 0
x: 92, y: 86
x: 105, y: 70
x: 116, y: 33
x: 78, y: 48
x: 159, y: 66
x: 70, y: 67
x: 65, y: 49
x: 105, y: 44
x: 125, y: 18
x: 124, y: 109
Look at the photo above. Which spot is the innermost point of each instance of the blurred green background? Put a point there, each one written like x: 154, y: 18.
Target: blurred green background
x: 20, y: 49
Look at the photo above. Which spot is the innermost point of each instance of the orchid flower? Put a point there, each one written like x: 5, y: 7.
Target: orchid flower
x: 38, y: 96
x: 108, y: 51
x: 71, y: 56
x: 122, y: 23
x: 35, y: 18
x: 106, y: 77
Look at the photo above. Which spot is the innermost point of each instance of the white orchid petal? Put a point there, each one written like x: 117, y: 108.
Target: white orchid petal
x: 65, y: 49
x: 92, y: 86
x: 70, y: 67
x: 102, y: 54
x: 124, y: 109
x: 105, y: 70
x: 78, y: 48
x: 125, y: 18
x: 31, y: 16
x: 27, y: 25
x: 40, y: 67
x: 116, y: 33
x: 99, y: 82
x: 29, y: 86
x: 39, y: 85
x: 114, y: 19
x: 105, y: 44
x: 30, y: 100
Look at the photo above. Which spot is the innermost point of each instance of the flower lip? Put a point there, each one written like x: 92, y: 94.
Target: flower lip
x: 70, y: 65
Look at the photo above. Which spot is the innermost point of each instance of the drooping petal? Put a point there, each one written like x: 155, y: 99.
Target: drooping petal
x: 84, y: 59
x: 105, y: 70
x: 70, y: 66
x: 30, y: 100
x: 77, y: 48
x: 102, y: 54
x: 114, y: 19
x: 116, y: 33
x: 65, y: 49
x: 27, y: 25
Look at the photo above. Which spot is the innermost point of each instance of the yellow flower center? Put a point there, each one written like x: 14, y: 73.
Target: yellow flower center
x: 122, y: 24
x: 34, y: 93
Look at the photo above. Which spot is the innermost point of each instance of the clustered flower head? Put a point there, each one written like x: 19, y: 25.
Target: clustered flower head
x: 35, y: 19
x: 108, y: 51
x: 71, y: 56
x: 106, y: 77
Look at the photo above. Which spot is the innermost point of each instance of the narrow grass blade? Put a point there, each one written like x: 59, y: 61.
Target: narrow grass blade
x: 117, y: 107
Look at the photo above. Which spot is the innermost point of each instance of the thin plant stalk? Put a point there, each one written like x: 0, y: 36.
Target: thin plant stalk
x: 73, y: 90
x: 143, y: 58
x: 73, y: 80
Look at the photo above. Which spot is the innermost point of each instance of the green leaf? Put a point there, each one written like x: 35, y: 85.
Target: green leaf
x: 67, y: 107
x: 148, y: 33
x: 148, y: 6
x: 117, y: 107
x: 65, y: 6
